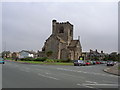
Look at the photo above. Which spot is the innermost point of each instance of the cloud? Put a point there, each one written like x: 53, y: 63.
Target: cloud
x: 29, y: 24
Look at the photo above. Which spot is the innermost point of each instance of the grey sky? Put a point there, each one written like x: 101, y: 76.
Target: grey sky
x: 28, y: 25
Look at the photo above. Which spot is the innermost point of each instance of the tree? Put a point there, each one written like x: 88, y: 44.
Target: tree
x: 5, y: 54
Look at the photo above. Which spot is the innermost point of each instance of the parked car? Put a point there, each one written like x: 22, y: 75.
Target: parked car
x: 79, y: 63
x: 104, y: 62
x: 2, y: 61
x: 94, y: 62
x: 101, y: 62
x: 115, y: 62
x: 87, y: 62
x: 97, y: 62
x: 110, y: 63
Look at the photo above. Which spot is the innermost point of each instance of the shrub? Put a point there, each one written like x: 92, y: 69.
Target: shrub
x: 49, y: 60
x: 27, y: 59
x: 57, y: 60
x: 61, y: 60
x: 41, y: 59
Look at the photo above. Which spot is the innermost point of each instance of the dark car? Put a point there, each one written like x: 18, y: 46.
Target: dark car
x: 110, y: 63
x: 2, y: 61
x: 79, y: 63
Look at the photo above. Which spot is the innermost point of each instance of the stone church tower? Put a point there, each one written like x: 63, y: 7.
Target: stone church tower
x: 61, y: 43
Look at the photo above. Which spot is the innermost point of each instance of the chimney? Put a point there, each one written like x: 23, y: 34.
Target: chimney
x: 79, y: 38
x: 96, y: 50
x: 101, y: 51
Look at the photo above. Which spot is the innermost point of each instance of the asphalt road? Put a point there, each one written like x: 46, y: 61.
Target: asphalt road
x: 16, y: 75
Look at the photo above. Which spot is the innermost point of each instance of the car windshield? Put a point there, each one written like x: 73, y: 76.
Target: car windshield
x: 109, y: 61
x: 78, y: 61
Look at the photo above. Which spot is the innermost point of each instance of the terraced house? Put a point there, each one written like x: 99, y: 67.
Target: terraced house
x: 60, y: 44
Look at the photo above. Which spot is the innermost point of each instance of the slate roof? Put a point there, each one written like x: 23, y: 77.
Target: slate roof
x: 73, y: 43
x: 31, y: 52
x: 57, y: 37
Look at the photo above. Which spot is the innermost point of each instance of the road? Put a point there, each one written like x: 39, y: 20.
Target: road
x: 16, y: 75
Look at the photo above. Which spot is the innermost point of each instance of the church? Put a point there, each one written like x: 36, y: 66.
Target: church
x: 60, y: 44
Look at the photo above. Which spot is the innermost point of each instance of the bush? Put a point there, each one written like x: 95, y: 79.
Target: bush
x: 27, y: 59
x: 41, y: 59
x: 61, y: 60
x: 49, y: 60
x: 57, y: 60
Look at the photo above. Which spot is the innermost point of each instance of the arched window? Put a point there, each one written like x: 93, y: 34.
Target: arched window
x: 70, y: 32
x: 61, y: 30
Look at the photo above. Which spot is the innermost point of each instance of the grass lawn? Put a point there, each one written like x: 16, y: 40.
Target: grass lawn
x: 47, y: 63
x: 119, y: 67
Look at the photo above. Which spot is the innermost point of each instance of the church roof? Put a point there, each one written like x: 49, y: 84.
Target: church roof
x: 73, y: 43
x: 57, y: 37
x: 61, y: 40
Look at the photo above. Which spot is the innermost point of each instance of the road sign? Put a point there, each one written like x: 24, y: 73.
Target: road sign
x: 81, y: 58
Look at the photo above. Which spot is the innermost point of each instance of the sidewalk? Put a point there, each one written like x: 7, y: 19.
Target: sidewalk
x: 113, y: 70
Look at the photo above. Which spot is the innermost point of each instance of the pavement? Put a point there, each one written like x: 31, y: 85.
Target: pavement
x: 17, y: 75
x: 112, y: 69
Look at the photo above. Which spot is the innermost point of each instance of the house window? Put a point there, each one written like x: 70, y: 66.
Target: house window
x: 61, y: 30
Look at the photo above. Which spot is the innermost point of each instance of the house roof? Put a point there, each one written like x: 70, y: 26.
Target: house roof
x: 31, y: 52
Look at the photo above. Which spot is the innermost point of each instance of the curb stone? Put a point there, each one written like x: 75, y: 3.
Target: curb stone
x: 106, y: 70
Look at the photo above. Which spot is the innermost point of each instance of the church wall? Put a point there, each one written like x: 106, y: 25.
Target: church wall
x: 52, y: 45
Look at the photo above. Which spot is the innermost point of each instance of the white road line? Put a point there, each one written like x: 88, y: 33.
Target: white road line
x: 47, y: 73
x: 91, y: 82
x: 48, y: 76
x: 87, y: 72
x: 24, y: 70
x: 102, y: 84
x: 27, y: 68
x: 85, y: 85
x: 88, y: 86
x: 72, y: 76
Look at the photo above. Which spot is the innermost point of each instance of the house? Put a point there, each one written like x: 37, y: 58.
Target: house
x: 93, y: 55
x: 15, y: 55
x: 25, y: 54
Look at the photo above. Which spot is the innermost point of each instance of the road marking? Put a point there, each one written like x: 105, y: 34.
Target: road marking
x: 73, y: 76
x: 88, y: 86
x: 102, y: 84
x: 27, y: 68
x: 24, y: 70
x: 87, y: 72
x: 47, y: 73
x: 48, y: 76
x: 91, y: 82
x: 85, y: 85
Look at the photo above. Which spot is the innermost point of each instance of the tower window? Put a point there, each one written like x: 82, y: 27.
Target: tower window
x: 61, y: 30
x: 70, y: 32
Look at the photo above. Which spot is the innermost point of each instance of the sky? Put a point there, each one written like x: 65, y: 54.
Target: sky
x: 26, y: 25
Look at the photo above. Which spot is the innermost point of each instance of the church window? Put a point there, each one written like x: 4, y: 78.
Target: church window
x: 61, y: 30
x: 70, y: 32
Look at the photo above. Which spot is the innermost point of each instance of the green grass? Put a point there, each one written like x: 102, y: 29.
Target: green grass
x: 47, y: 63
x: 119, y: 67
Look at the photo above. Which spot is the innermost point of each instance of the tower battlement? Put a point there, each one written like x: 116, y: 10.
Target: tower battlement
x: 67, y: 22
